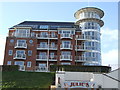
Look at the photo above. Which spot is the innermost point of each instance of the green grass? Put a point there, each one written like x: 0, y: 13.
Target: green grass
x: 19, y: 79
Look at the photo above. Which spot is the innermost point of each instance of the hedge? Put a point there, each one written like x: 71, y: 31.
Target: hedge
x: 78, y: 68
x: 10, y: 67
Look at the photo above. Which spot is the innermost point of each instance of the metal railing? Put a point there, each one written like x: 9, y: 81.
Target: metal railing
x: 85, y: 59
x: 66, y: 57
x: 66, y: 36
x: 19, y: 56
x: 81, y: 47
x: 86, y: 37
x: 46, y: 46
x: 20, y: 45
x: 63, y: 46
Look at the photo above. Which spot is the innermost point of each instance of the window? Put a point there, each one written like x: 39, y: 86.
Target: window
x: 12, y: 40
x: 29, y: 64
x: 10, y: 52
x: 44, y: 34
x: 30, y: 41
x: 42, y: 66
x: 43, y: 26
x: 43, y: 44
x: 52, y: 44
x: 51, y: 55
x: 66, y: 44
x: 20, y: 63
x: 43, y: 55
x: 52, y: 34
x: 65, y: 63
x: 29, y: 52
x: 66, y: 53
x: 21, y: 42
x: 20, y: 54
x: 22, y: 33
x: 9, y: 62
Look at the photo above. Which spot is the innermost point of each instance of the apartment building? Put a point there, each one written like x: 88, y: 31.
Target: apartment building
x: 39, y: 44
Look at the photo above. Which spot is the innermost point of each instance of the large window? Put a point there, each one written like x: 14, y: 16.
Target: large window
x: 89, y: 15
x: 66, y: 32
x: 21, y: 42
x: 44, y: 34
x: 90, y: 25
x: 43, y: 44
x: 22, y: 33
x: 65, y: 53
x: 66, y: 44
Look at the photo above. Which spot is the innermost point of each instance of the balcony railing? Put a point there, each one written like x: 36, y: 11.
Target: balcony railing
x: 53, y: 58
x: 21, y: 68
x: 66, y: 36
x: 86, y: 37
x: 42, y: 46
x: 47, y: 36
x: 40, y: 69
x: 63, y: 46
x: 19, y: 56
x: 42, y: 57
x: 85, y: 48
x: 45, y: 58
x: 85, y: 59
x: 20, y: 45
x: 51, y: 47
x: 66, y: 58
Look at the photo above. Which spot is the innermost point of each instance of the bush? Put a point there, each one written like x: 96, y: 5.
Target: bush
x: 78, y: 68
x: 10, y: 67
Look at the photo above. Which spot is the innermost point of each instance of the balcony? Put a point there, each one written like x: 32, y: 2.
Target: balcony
x: 20, y: 45
x: 53, y: 58
x: 48, y: 36
x: 21, y: 68
x: 19, y: 56
x: 45, y: 47
x: 86, y: 59
x: 63, y: 46
x: 42, y: 47
x: 45, y: 58
x: 66, y: 36
x: 40, y: 36
x: 86, y: 37
x: 42, y: 58
x: 65, y: 58
x: 82, y: 48
x: 53, y: 47
x: 85, y: 48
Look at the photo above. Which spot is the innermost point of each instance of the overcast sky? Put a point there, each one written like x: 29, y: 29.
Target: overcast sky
x: 13, y: 13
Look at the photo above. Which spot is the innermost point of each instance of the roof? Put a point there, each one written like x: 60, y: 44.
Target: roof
x: 36, y: 24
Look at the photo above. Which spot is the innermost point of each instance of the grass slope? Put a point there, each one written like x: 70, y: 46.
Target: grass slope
x: 27, y: 79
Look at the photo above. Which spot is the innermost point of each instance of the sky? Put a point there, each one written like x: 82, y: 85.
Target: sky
x: 12, y: 13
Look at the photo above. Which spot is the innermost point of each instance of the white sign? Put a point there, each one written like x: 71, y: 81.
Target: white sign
x: 78, y: 84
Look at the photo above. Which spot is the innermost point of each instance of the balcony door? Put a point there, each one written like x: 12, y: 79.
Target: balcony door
x: 43, y: 55
x: 20, y: 52
x: 66, y: 44
x: 43, y: 44
x: 21, y: 42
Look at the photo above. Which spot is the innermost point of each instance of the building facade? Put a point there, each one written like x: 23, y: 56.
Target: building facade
x: 39, y: 44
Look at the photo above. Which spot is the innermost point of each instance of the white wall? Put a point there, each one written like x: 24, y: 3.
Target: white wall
x: 98, y: 79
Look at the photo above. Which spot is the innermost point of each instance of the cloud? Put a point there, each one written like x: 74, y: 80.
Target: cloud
x: 2, y: 47
x: 109, y: 47
x: 110, y: 58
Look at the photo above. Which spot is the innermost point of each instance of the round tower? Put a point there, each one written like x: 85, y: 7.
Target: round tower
x: 89, y: 21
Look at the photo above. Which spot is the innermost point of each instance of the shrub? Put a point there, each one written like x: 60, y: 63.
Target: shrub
x: 10, y: 67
